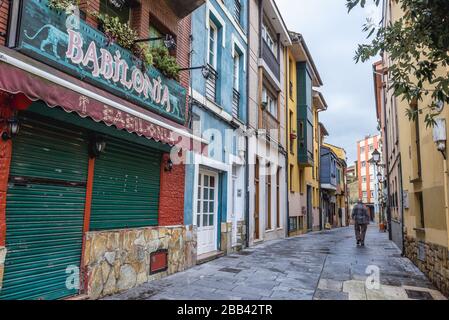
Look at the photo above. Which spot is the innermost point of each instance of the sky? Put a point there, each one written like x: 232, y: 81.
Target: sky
x: 332, y: 36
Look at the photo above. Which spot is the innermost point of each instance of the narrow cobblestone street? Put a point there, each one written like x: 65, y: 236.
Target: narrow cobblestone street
x: 319, y: 266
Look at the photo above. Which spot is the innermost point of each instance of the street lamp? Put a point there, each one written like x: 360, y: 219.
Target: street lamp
x: 376, y: 156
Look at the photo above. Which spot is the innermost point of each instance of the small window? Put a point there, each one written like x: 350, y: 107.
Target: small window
x: 271, y: 102
x: 116, y: 9
x: 213, y: 40
x: 237, y: 72
x: 237, y: 11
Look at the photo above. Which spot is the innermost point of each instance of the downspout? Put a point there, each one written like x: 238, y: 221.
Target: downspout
x: 247, y: 217
x: 287, y: 134
x: 446, y: 198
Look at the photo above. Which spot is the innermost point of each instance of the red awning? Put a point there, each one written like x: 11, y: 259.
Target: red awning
x: 21, y: 74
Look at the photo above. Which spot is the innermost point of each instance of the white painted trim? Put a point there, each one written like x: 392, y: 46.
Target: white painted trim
x: 236, y: 42
x: 210, y: 8
x: 212, y: 106
x: 233, y: 22
x: 40, y: 73
x: 275, y: 82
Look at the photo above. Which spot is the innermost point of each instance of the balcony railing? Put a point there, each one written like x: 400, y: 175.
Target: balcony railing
x: 211, y: 84
x: 235, y: 104
x: 271, y: 60
x: 237, y: 12
x: 270, y: 124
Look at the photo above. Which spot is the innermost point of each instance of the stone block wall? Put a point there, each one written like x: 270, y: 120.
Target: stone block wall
x: 2, y: 264
x: 435, y: 264
x: 118, y: 260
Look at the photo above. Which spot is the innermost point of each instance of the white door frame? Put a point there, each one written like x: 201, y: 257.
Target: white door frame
x: 214, y: 174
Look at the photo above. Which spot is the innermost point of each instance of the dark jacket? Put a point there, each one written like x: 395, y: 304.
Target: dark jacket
x: 360, y: 214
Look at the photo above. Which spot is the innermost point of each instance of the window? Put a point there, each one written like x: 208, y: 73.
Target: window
x: 115, y: 9
x: 268, y: 38
x: 362, y: 150
x: 372, y: 194
x: 364, y: 179
x: 365, y: 194
x: 292, y: 169
x: 293, y: 224
x: 213, y: 40
x: 155, y: 33
x: 207, y: 185
x: 290, y: 77
x: 363, y: 164
x: 271, y: 102
x: 371, y: 148
x: 292, y: 141
x: 237, y: 72
x: 237, y: 13
x: 268, y: 202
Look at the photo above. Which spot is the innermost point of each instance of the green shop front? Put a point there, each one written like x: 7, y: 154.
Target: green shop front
x: 86, y: 137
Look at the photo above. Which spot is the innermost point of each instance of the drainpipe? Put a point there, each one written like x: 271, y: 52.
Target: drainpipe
x: 446, y: 197
x: 247, y: 216
x: 287, y: 137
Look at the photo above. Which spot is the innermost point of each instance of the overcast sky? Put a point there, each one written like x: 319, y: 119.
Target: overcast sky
x: 332, y: 36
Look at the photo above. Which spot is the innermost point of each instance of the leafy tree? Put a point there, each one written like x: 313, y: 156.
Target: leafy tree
x: 418, y: 45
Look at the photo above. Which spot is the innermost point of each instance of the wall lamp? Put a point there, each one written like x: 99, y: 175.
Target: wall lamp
x: 169, y: 41
x: 205, y: 70
x: 97, y: 146
x: 168, y: 166
x: 13, y: 128
x: 440, y: 137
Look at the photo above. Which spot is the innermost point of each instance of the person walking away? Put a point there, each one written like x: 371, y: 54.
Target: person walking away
x: 361, y: 219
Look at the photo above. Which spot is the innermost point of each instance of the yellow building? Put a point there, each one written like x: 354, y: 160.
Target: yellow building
x: 342, y: 200
x: 419, y: 196
x: 303, y: 105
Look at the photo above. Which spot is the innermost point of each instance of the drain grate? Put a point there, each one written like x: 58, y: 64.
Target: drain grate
x: 230, y: 270
x: 419, y: 295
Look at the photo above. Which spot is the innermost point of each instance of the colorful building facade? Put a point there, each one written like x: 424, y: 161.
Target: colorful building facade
x: 215, y: 182
x: 267, y: 200
x: 304, y: 104
x: 92, y: 201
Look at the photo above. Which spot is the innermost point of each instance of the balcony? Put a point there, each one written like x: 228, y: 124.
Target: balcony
x: 236, y: 104
x: 271, y: 60
x: 211, y: 85
x: 268, y: 123
x: 183, y: 8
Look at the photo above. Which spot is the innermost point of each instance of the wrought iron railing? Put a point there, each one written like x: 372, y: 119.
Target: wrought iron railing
x: 235, y: 104
x: 211, y: 84
x: 237, y: 12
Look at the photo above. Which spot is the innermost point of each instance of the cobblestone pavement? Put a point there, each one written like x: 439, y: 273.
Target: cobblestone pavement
x: 321, y: 266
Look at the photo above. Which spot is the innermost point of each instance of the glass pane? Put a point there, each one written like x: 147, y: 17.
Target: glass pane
x: 211, y: 207
x: 212, y: 194
x: 212, y: 182
x: 205, y: 206
x: 198, y: 220
x: 198, y: 208
x: 199, y: 192
x: 211, y: 220
x: 206, y: 181
x: 206, y: 193
x: 205, y: 220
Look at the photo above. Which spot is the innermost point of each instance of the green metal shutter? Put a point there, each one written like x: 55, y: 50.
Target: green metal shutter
x: 126, y: 187
x: 44, y: 211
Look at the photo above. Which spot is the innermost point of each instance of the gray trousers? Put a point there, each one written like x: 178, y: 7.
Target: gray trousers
x: 360, y: 231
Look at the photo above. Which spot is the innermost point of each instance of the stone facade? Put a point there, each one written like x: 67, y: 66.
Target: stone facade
x: 432, y: 260
x: 2, y: 264
x: 118, y: 260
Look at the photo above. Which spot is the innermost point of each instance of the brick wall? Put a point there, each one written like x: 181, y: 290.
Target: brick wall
x: 88, y: 6
x: 3, y: 20
x: 5, y: 162
x: 171, y: 198
x: 163, y: 13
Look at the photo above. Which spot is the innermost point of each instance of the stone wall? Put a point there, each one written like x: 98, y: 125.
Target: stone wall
x: 226, y: 237
x: 118, y: 260
x: 434, y: 262
x: 2, y: 264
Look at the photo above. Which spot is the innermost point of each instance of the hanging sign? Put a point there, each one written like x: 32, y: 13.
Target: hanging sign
x: 86, y: 53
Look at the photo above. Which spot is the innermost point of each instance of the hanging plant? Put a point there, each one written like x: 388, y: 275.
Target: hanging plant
x: 62, y: 5
x: 118, y: 32
x: 163, y: 61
